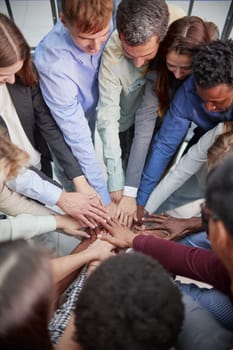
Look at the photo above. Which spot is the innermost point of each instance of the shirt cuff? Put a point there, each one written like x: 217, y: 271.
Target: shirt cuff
x: 53, y: 195
x: 130, y: 191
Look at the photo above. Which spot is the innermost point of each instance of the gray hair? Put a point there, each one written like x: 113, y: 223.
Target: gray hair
x: 140, y: 20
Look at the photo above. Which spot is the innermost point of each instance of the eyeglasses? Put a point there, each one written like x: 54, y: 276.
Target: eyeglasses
x: 206, y: 215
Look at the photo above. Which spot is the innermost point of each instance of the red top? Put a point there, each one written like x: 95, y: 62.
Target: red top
x: 196, y: 263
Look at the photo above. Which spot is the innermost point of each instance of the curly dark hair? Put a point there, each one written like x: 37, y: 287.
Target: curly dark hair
x: 213, y: 64
x: 129, y: 302
x: 219, y: 192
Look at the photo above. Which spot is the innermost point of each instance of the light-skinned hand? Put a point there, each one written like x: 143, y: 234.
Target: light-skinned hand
x: 84, y: 208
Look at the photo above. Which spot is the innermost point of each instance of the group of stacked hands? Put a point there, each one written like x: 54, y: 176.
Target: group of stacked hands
x: 143, y: 85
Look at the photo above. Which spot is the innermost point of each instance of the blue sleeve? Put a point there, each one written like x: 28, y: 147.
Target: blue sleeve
x: 61, y: 94
x: 164, y: 145
x: 198, y: 324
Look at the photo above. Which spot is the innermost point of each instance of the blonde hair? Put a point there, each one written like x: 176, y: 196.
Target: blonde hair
x: 11, y: 155
x: 222, y: 147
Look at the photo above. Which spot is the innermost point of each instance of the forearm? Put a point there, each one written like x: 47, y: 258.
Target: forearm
x: 163, y: 148
x: 12, y: 203
x: 33, y: 186
x: 64, y: 266
x: 196, y: 263
x: 53, y: 135
x: 108, y: 130
x: 145, y: 120
x: 26, y: 226
x: 187, y: 166
x: 81, y: 185
x: 83, y: 150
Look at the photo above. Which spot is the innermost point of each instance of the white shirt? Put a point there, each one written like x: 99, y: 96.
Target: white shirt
x: 15, y: 129
x: 187, y: 166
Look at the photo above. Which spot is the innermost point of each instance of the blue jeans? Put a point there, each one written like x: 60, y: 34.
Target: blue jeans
x: 200, y: 331
x: 216, y: 302
x: 199, y: 239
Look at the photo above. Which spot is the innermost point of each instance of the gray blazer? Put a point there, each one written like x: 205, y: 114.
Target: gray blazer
x: 41, y: 129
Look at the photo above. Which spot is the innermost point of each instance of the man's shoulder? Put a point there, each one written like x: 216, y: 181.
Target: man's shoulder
x: 186, y: 91
x: 189, y: 85
x: 113, y: 49
x: 54, y: 46
x: 113, y: 59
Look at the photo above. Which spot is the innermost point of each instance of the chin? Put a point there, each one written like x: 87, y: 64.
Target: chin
x: 91, y: 52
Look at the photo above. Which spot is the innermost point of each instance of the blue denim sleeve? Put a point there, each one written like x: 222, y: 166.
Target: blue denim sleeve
x: 164, y: 145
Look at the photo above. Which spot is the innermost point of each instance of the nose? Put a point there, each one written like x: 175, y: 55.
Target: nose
x: 139, y: 62
x: 10, y: 79
x: 95, y: 44
x: 177, y: 73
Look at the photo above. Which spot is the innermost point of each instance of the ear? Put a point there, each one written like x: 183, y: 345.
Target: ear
x: 63, y: 20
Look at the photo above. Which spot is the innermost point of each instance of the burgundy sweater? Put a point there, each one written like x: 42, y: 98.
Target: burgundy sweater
x: 196, y: 263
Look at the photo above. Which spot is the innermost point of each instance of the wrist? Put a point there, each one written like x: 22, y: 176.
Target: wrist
x: 129, y: 239
x: 90, y: 255
x: 61, y: 199
x: 80, y: 182
x: 194, y: 224
x: 58, y: 221
x: 135, y: 235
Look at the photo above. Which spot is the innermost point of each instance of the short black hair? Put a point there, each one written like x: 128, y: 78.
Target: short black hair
x: 219, y: 192
x: 129, y: 303
x: 213, y: 64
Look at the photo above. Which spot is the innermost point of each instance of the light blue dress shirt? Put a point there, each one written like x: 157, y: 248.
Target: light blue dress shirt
x: 68, y: 79
x: 31, y: 185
